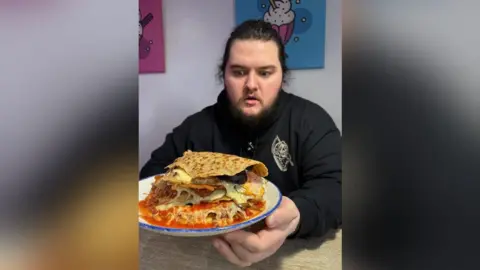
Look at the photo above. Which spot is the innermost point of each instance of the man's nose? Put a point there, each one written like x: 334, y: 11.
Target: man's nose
x: 251, y: 83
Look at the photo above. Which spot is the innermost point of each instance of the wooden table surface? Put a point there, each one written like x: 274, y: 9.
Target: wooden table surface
x: 165, y: 252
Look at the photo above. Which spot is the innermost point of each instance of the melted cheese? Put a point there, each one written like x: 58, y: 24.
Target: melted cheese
x: 181, y: 176
x: 235, y: 195
x: 224, y: 215
x: 238, y: 193
x: 209, y: 187
x: 255, y: 188
x: 193, y: 198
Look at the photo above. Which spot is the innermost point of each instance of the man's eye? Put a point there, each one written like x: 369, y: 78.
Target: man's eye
x: 238, y: 72
x: 265, y: 73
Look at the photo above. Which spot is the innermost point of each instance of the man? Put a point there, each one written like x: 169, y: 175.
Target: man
x: 253, y: 117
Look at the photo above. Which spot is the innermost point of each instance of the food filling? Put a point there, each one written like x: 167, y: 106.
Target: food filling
x: 215, y: 201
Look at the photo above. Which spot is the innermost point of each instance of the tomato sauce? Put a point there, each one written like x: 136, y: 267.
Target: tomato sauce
x: 147, y: 215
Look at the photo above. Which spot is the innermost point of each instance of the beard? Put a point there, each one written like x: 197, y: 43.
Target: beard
x: 253, y: 121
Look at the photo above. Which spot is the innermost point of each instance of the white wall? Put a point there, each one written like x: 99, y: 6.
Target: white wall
x: 195, y: 35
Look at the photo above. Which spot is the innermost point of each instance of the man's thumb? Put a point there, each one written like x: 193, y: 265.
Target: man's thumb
x: 271, y: 221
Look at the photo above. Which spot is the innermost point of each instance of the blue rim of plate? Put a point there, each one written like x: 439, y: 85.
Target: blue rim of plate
x: 219, y: 229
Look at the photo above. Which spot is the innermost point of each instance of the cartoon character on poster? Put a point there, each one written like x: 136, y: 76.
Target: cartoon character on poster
x: 299, y: 23
x: 151, y: 47
x: 282, y: 18
x: 144, y: 43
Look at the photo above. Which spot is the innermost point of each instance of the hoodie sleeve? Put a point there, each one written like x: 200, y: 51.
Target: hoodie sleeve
x: 176, y: 142
x: 319, y: 198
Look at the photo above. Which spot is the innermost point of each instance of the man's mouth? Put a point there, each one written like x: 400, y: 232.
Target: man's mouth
x: 251, y: 100
x: 252, y: 97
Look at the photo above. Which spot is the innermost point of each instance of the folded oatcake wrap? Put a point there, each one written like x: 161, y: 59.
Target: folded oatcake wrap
x: 199, y: 165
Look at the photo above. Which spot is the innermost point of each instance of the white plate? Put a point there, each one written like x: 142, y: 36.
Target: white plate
x: 272, y: 196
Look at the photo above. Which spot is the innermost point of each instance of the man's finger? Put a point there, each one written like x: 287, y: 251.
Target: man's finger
x: 248, y: 240
x: 271, y: 236
x: 246, y: 255
x: 242, y: 253
x: 255, y: 243
x: 283, y: 215
x: 224, y: 248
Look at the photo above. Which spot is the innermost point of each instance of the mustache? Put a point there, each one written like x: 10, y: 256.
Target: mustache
x: 251, y: 95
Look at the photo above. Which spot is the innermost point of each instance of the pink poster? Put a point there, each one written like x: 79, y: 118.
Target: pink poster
x: 151, y: 48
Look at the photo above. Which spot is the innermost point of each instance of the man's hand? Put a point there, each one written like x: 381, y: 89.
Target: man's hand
x: 245, y: 248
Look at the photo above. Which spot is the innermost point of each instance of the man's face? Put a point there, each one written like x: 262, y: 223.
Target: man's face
x: 253, y: 76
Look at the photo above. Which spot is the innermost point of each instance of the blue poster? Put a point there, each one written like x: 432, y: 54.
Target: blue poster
x: 300, y: 23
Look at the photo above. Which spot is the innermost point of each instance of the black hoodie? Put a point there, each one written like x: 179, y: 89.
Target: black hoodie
x: 299, y: 143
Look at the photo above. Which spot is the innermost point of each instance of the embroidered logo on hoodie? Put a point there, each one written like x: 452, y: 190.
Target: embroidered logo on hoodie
x: 281, y: 154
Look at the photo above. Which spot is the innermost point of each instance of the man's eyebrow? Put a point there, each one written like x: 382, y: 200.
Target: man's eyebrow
x: 268, y: 67
x: 263, y: 67
x: 237, y: 66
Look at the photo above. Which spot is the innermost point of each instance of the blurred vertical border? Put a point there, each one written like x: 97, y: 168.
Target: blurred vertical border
x: 411, y: 134
x: 69, y: 134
